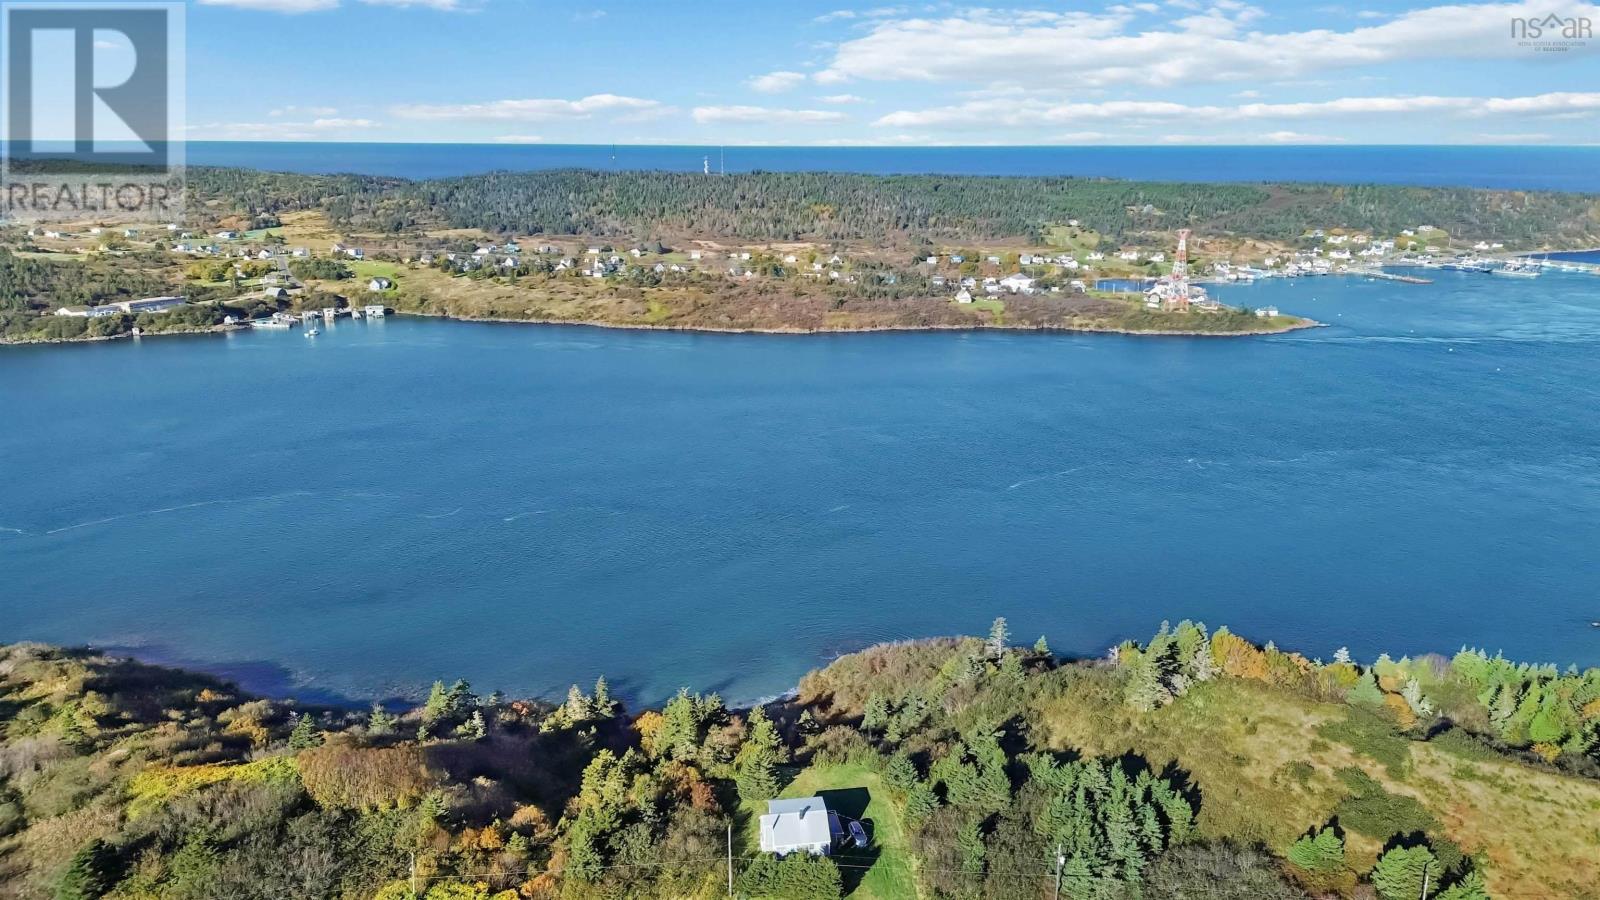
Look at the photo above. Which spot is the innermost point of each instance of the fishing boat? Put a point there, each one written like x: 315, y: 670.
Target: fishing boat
x: 1516, y: 270
x: 312, y: 332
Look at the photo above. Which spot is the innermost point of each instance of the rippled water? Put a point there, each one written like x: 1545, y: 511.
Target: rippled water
x: 527, y: 506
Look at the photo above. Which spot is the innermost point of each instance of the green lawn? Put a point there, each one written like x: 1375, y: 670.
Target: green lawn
x: 880, y: 872
x: 367, y: 268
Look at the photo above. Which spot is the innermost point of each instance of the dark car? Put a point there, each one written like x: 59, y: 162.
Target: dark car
x: 858, y: 834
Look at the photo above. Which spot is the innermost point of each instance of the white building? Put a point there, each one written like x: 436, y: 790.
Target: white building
x: 802, y: 824
x: 377, y: 285
x: 1017, y: 283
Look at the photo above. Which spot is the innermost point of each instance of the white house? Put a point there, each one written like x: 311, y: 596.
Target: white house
x: 802, y: 824
x: 376, y: 311
x: 227, y: 235
x: 378, y: 285
x: 1267, y: 312
x: 694, y: 254
x: 1017, y: 283
x: 963, y: 296
x: 88, y: 312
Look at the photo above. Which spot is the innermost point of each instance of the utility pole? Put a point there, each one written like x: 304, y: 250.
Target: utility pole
x: 730, y: 859
x: 1425, y: 874
x: 413, y: 875
x: 1060, y: 859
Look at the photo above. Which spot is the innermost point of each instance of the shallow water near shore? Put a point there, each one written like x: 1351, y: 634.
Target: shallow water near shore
x: 354, y: 515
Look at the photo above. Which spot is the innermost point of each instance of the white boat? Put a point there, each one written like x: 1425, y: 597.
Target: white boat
x: 312, y: 332
x: 1516, y: 270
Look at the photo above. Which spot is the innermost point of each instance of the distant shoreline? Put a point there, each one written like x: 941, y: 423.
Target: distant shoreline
x: 1302, y: 324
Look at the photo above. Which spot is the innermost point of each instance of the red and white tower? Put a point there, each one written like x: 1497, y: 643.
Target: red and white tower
x: 1180, y: 271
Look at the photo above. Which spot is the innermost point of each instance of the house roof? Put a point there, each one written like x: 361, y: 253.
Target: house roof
x: 798, y: 822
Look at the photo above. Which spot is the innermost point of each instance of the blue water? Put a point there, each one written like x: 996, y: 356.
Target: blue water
x: 528, y: 506
x: 1531, y: 168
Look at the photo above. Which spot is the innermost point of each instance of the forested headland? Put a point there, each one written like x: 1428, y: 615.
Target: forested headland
x: 779, y: 206
x: 1194, y: 764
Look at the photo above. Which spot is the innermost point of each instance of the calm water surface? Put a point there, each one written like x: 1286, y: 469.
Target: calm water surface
x: 397, y: 501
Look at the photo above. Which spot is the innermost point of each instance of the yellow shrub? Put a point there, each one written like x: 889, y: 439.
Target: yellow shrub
x: 1401, y: 709
x: 1548, y: 751
x: 157, y: 785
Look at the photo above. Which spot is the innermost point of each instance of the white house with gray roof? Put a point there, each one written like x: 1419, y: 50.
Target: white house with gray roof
x: 801, y: 824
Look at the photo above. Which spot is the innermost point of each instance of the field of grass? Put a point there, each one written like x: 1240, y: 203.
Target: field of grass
x: 881, y: 871
x: 1268, y: 767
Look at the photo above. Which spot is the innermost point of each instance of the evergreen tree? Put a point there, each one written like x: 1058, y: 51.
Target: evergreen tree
x: 474, y: 728
x: 381, y: 721
x: 1203, y: 665
x: 1400, y: 872
x: 875, y: 715
x: 437, y: 705
x: 999, y: 638
x: 1041, y: 647
x: 1144, y: 690
x: 87, y: 876
x: 304, y: 734
x: 603, y: 706
x: 1011, y: 668
x: 1342, y: 655
x: 1322, y: 853
x: 1470, y: 887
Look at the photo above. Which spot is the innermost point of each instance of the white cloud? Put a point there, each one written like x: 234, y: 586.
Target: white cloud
x: 986, y: 114
x: 1215, y: 45
x: 761, y: 115
x: 320, y: 112
x: 518, y: 139
x: 777, y: 82
x: 1295, y: 137
x: 1532, y: 137
x: 280, y: 6
x: 841, y: 99
x: 277, y: 130
x: 444, y: 5
x: 539, y: 110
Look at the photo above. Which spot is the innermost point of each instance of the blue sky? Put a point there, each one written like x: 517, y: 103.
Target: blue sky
x: 621, y: 71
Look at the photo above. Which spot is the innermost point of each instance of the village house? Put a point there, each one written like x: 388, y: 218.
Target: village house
x: 378, y: 285
x: 1018, y: 283
x: 227, y: 235
x: 963, y: 296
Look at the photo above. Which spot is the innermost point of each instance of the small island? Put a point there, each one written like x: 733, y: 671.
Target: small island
x: 1195, y: 763
x: 789, y: 253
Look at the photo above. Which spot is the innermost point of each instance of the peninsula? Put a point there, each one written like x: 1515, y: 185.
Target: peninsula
x: 784, y: 253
